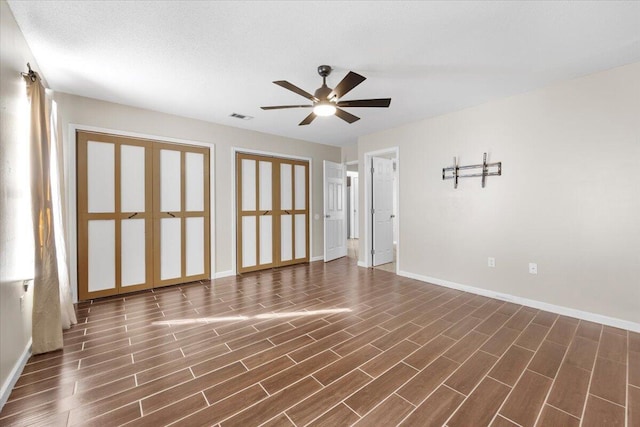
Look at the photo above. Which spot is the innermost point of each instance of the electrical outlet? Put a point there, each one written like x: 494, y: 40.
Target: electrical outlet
x: 533, y: 268
x: 491, y: 262
x: 21, y: 303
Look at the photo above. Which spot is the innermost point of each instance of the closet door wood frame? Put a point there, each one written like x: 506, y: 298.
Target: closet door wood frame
x: 120, y: 233
x: 183, y: 214
x: 272, y: 212
x: 113, y: 215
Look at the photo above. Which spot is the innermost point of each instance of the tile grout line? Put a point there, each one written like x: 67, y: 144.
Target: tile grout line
x: 593, y: 368
x: 553, y: 380
x: 626, y: 389
x: 397, y: 395
x: 511, y: 388
x: 460, y: 365
x: 563, y: 411
x: 607, y: 400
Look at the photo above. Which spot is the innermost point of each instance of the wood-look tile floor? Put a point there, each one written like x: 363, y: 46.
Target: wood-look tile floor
x: 328, y: 345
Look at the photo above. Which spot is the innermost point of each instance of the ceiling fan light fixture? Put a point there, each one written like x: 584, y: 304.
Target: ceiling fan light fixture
x: 324, y: 108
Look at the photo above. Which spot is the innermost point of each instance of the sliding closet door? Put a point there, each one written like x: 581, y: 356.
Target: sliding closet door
x: 181, y: 213
x: 272, y: 212
x: 114, y: 215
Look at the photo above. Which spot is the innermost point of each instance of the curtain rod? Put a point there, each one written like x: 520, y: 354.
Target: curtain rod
x: 31, y: 74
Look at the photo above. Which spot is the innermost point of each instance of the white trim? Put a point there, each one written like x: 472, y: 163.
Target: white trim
x: 11, y: 380
x: 70, y: 173
x: 222, y: 274
x: 558, y: 309
x: 367, y: 203
x: 362, y: 264
x: 234, y: 150
x: 316, y: 258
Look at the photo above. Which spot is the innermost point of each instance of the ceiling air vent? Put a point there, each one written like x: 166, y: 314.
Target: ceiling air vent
x: 241, y: 116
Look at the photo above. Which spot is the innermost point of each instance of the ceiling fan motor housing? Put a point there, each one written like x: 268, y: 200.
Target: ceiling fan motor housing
x: 324, y: 70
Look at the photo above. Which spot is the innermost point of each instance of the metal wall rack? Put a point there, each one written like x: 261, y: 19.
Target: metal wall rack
x: 453, y: 172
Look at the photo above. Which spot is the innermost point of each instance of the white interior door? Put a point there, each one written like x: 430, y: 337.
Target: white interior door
x: 382, y: 215
x: 355, y: 229
x: 335, y: 232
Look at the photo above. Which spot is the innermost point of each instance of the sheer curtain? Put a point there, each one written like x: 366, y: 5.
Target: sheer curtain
x: 67, y: 312
x: 47, y: 310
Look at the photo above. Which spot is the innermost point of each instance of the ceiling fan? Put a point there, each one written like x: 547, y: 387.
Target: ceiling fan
x: 326, y: 101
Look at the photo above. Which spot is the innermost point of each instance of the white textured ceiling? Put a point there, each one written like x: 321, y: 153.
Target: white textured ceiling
x: 206, y: 60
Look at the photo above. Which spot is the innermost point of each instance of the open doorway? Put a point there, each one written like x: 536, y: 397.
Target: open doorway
x: 353, y: 221
x: 381, y: 219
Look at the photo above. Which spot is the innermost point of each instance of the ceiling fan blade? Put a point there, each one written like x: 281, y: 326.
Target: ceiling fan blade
x: 308, y: 119
x: 347, y: 117
x: 279, y: 107
x: 350, y: 81
x: 381, y: 102
x: 293, y: 88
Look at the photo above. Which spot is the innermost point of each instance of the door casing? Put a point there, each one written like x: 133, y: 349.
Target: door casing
x: 366, y: 240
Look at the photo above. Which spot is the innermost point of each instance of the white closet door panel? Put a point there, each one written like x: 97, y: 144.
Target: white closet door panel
x: 266, y: 239
x: 286, y: 235
x: 170, y: 180
x: 195, y: 246
x: 285, y: 187
x: 100, y: 177
x: 102, y: 255
x: 301, y: 236
x: 300, y: 187
x: 132, y: 170
x: 170, y: 248
x: 133, y: 259
x: 248, y: 185
x: 248, y: 241
x: 194, y: 181
x: 265, y: 194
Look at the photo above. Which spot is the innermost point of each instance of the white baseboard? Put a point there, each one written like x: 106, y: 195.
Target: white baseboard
x: 5, y: 391
x: 316, y: 258
x: 558, y: 309
x: 362, y: 264
x: 221, y: 274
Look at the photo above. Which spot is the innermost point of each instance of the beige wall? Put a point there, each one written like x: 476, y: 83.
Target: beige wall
x: 94, y: 113
x: 569, y: 197
x: 350, y: 153
x: 16, y: 236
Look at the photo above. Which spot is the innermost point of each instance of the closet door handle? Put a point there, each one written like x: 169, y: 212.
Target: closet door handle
x: 131, y: 216
x: 169, y: 213
x: 266, y: 212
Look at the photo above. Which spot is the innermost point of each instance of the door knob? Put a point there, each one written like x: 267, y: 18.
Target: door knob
x: 392, y: 216
x: 327, y: 216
